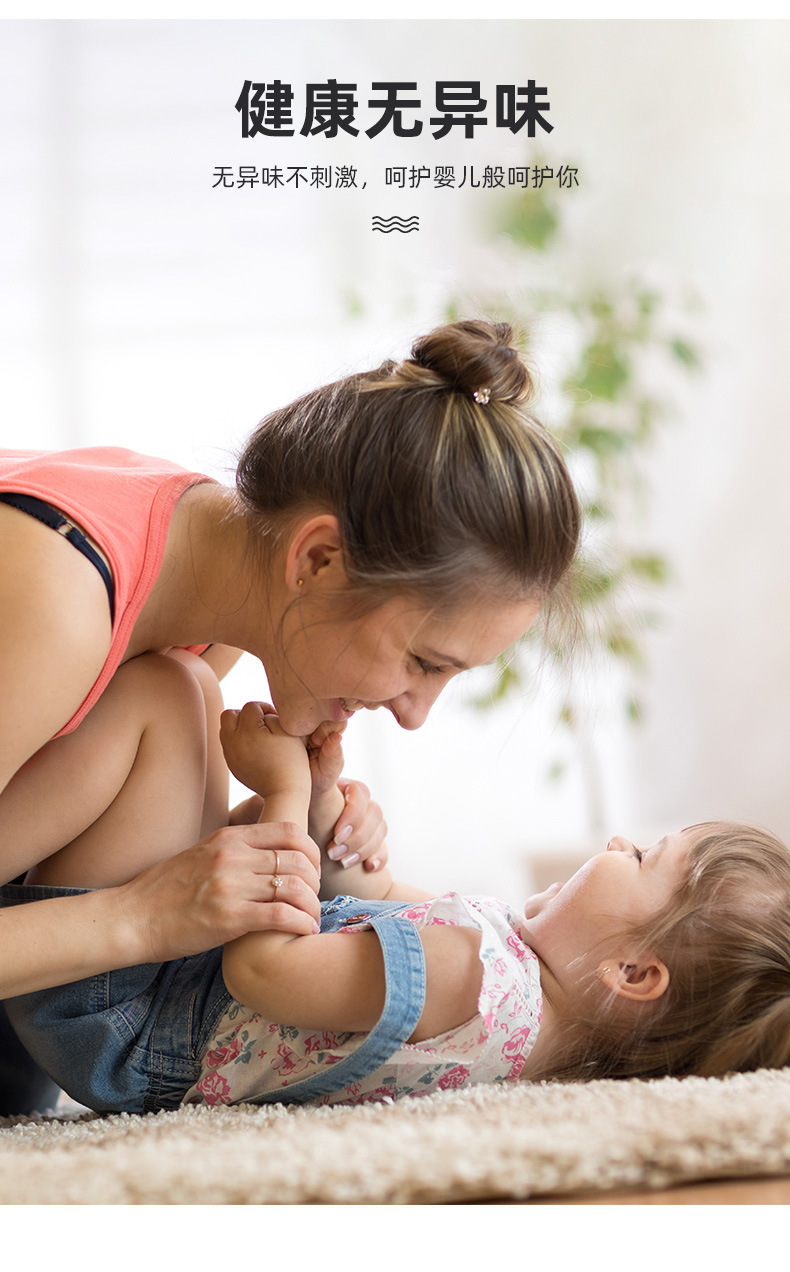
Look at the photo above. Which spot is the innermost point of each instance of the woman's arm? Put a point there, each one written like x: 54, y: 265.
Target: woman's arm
x: 54, y: 639
x: 63, y: 939
x: 199, y: 899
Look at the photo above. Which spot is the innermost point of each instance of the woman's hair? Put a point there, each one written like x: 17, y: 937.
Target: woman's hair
x: 725, y: 938
x: 442, y: 481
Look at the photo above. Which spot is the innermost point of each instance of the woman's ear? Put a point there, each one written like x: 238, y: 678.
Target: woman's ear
x: 315, y: 554
x: 643, y: 980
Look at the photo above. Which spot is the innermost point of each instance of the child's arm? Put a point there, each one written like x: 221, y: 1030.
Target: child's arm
x: 268, y: 761
x: 331, y: 809
x: 302, y: 788
x: 358, y: 832
x: 331, y: 980
x: 326, y: 805
x: 336, y: 980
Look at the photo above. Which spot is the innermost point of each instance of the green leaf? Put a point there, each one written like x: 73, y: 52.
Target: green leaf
x: 685, y: 353
x: 507, y: 676
x: 452, y: 312
x: 624, y: 646
x: 652, y: 567
x: 601, y: 307
x: 353, y: 304
x: 648, y: 301
x: 604, y: 373
x: 533, y: 222
x: 597, y: 512
x: 603, y: 442
x: 593, y: 584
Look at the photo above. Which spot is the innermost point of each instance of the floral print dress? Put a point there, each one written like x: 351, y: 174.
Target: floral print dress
x: 249, y: 1056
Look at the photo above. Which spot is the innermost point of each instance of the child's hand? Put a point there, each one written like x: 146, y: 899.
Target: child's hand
x: 260, y: 754
x: 357, y: 825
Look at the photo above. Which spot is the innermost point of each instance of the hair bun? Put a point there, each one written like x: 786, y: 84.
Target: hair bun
x: 475, y: 356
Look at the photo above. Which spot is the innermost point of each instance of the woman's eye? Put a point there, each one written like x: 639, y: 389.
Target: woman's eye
x: 638, y: 855
x: 427, y: 669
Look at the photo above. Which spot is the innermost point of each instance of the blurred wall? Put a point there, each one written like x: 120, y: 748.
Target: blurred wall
x: 141, y: 307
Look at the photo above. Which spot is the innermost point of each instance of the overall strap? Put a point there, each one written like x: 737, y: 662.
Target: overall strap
x: 404, y: 969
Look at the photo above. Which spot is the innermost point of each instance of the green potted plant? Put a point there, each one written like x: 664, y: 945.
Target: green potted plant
x: 621, y: 343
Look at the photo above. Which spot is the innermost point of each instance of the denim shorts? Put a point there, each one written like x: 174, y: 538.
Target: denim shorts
x: 124, y: 1041
x: 132, y: 1040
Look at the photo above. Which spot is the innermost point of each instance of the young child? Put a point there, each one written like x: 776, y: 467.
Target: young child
x: 580, y: 985
x: 670, y: 959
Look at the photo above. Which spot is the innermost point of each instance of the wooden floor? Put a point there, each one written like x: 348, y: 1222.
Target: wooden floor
x: 731, y: 1192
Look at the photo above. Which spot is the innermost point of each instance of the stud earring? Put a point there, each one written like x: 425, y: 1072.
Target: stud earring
x: 300, y: 582
x: 603, y: 971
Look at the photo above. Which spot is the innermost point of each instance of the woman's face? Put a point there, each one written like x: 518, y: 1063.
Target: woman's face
x: 398, y: 656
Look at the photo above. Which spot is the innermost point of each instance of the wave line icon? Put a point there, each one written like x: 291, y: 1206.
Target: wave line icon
x: 404, y: 225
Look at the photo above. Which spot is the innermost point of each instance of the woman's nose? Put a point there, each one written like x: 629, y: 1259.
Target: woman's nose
x: 410, y: 714
x: 412, y: 708
x: 618, y: 844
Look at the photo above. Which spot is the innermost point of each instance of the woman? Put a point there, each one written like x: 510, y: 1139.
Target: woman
x: 387, y: 531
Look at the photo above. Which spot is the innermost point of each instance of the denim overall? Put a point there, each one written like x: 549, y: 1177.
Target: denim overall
x: 131, y: 1040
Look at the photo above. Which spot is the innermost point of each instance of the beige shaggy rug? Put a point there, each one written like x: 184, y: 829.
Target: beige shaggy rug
x: 458, y: 1146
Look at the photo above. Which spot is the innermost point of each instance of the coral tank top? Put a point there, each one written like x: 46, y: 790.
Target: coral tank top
x: 125, y: 502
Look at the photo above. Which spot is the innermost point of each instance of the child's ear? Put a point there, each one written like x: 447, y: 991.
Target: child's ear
x: 643, y: 980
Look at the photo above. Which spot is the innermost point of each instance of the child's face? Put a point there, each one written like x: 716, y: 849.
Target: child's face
x: 575, y: 927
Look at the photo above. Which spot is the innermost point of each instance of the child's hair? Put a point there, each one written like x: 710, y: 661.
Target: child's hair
x: 441, y: 480
x: 725, y: 938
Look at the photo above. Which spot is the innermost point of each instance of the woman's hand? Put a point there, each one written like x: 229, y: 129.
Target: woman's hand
x: 360, y: 833
x: 222, y: 888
